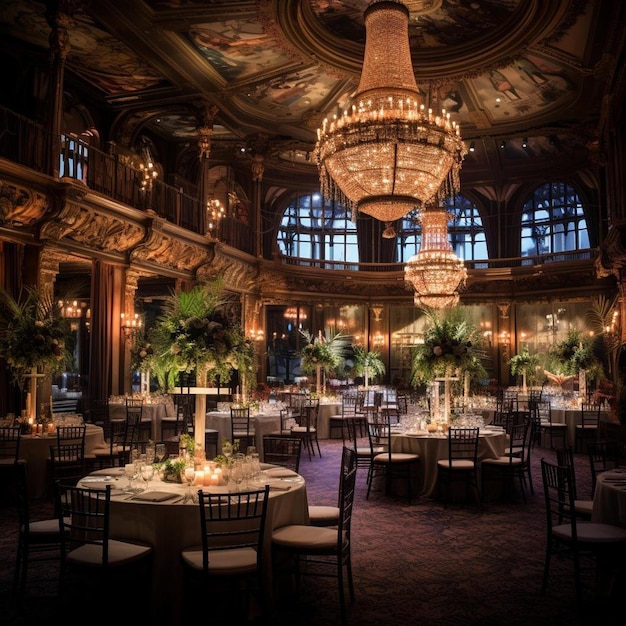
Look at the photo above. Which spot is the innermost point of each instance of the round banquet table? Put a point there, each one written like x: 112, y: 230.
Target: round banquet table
x: 171, y: 525
x: 432, y: 447
x: 36, y: 451
x: 609, y: 498
x: 326, y: 410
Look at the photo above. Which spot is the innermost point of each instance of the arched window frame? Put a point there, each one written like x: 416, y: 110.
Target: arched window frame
x: 553, y: 220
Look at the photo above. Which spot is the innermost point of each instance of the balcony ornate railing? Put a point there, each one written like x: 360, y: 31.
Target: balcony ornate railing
x: 111, y: 174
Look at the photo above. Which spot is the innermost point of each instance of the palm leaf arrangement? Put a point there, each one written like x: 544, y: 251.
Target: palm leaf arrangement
x: 326, y: 351
x: 33, y: 334
x: 450, y: 347
x: 193, y: 334
x: 576, y: 352
x: 367, y: 364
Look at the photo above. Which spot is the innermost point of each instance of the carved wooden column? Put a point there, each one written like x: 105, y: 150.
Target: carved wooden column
x: 130, y: 331
x: 503, y: 338
x: 60, y: 20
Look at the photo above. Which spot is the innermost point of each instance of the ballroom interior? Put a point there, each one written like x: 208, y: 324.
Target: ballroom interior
x: 151, y: 145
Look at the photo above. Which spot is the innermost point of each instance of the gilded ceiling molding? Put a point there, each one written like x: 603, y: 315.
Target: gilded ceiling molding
x: 611, y: 260
x: 21, y: 206
x: 237, y: 274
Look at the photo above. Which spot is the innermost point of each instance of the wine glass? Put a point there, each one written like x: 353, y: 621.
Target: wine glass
x: 147, y: 473
x: 129, y: 472
x: 160, y: 452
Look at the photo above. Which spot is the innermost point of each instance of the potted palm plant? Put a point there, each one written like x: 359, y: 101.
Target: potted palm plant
x: 322, y: 355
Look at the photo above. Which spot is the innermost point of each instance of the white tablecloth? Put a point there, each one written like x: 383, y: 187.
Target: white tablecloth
x: 36, y: 451
x: 609, y: 499
x: 326, y: 410
x: 171, y: 526
x: 262, y: 424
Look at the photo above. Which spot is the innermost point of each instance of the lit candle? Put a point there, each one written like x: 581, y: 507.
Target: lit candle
x: 31, y: 423
x: 189, y: 474
x: 198, y: 478
x: 214, y: 479
x: 50, y: 429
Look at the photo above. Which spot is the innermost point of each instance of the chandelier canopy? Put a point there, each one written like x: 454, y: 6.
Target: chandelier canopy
x: 435, y: 272
x: 389, y: 153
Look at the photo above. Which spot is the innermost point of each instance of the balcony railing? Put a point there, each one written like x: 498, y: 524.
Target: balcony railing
x: 28, y: 143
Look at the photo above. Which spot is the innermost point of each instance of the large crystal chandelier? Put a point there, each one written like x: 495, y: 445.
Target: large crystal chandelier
x: 435, y: 272
x: 388, y: 154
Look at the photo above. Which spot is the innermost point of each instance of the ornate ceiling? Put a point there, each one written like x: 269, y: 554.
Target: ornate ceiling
x: 529, y: 75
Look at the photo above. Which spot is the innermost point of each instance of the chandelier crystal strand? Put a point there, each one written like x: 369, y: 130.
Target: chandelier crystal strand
x: 435, y: 272
x: 389, y: 153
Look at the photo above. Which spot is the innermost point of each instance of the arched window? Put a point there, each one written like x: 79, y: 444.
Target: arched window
x: 315, y: 228
x: 553, y: 220
x: 465, y: 232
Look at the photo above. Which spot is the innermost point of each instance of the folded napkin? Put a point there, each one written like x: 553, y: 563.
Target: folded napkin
x: 278, y: 487
x: 155, y: 496
x: 97, y: 479
x: 280, y: 472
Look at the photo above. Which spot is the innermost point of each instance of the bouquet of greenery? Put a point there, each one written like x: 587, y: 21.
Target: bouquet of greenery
x: 33, y: 334
x: 449, y: 347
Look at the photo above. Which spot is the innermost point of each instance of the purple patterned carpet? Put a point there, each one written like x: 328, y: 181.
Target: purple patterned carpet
x: 413, y: 564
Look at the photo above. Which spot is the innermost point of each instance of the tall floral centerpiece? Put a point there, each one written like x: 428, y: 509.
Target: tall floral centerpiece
x: 367, y: 363
x: 33, y: 340
x: 450, y: 350
x: 193, y: 334
x: 322, y: 354
x: 525, y: 365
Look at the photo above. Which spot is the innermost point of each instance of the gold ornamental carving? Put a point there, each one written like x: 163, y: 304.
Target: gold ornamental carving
x: 20, y: 206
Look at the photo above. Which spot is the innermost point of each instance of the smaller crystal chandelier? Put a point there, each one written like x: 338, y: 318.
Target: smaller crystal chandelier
x: 215, y: 211
x: 435, y: 272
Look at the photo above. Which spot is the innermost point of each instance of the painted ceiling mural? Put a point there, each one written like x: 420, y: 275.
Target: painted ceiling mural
x: 503, y: 68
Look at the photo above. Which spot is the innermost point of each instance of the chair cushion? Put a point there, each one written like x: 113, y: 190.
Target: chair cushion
x: 396, y: 457
x: 503, y: 461
x: 297, y: 536
x: 302, y: 429
x: 456, y: 464
x: 223, y: 562
x: 584, y: 507
x: 120, y: 553
x: 590, y: 532
x: 45, y: 527
x: 323, y: 514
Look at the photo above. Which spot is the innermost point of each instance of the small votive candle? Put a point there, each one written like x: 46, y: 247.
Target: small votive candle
x: 198, y: 477
x: 190, y: 474
x: 51, y: 429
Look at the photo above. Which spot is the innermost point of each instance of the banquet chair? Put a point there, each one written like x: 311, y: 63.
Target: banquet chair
x: 386, y: 464
x: 38, y: 540
x: 582, y: 507
x: 461, y: 464
x: 118, y: 437
x: 67, y: 463
x: 316, y: 549
x: 134, y: 414
x: 184, y: 408
x: 351, y: 411
x: 10, y: 441
x: 241, y: 427
x: 328, y: 515
x: 603, y: 456
x: 515, y: 463
x: 555, y: 432
x: 587, y: 429
x: 307, y: 427
x: 232, y: 527
x: 361, y: 445
x: 93, y: 564
x: 594, y: 548
x: 98, y: 411
x: 282, y: 450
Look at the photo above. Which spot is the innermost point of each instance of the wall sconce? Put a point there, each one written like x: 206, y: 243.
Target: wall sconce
x: 257, y: 335
x: 74, y: 309
x: 378, y: 341
x: 525, y: 142
x: 502, y: 144
x: 472, y: 146
x: 130, y: 324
